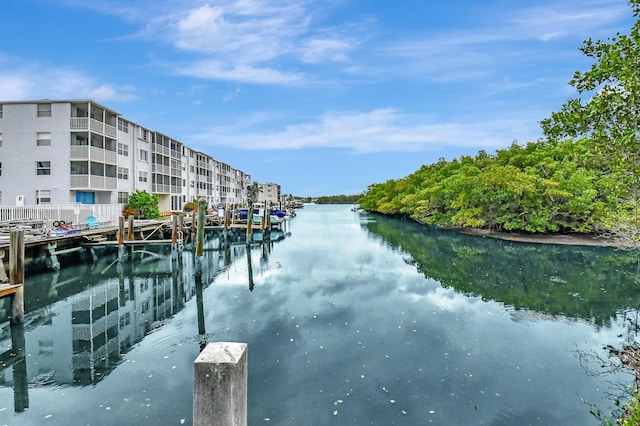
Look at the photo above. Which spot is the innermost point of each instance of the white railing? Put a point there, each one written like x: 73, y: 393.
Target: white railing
x: 79, y: 123
x: 75, y: 214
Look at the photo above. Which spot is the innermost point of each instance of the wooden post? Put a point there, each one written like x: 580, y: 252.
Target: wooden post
x: 227, y: 213
x: 174, y: 237
x: 130, y: 228
x: 202, y: 211
x: 16, y: 274
x: 174, y: 229
x: 120, y: 230
x: 263, y: 223
x: 220, y: 385
x: 249, y: 222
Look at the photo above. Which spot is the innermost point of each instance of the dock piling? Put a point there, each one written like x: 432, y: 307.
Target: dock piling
x: 220, y: 385
x: 131, y: 236
x: 16, y: 274
x: 202, y: 211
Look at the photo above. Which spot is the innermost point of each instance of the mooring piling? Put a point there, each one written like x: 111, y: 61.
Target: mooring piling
x: 16, y: 274
x: 220, y: 385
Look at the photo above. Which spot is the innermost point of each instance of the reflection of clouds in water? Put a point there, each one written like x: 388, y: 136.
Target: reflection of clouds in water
x: 346, y: 331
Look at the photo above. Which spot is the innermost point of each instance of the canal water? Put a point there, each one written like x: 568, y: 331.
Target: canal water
x: 350, y: 318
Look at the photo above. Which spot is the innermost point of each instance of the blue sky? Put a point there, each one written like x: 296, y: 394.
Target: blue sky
x: 323, y: 97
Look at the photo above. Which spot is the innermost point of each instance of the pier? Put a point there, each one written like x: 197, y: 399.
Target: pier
x: 43, y: 247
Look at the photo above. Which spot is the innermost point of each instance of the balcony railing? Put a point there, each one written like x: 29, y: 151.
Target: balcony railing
x: 92, y: 182
x: 83, y: 123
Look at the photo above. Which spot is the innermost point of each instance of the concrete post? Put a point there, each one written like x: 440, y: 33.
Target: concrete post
x: 220, y: 385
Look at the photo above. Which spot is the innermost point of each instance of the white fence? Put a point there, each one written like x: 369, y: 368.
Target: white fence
x: 75, y: 214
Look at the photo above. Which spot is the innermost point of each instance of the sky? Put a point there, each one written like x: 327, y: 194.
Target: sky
x: 323, y: 97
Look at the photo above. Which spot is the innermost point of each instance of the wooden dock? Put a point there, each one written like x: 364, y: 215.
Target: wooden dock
x: 42, y: 248
x: 8, y: 289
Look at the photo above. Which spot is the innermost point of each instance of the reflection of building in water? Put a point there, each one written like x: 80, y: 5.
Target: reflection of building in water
x: 94, y: 332
x: 83, y: 337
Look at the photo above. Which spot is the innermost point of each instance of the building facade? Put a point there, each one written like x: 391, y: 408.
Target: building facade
x: 269, y: 193
x: 78, y: 151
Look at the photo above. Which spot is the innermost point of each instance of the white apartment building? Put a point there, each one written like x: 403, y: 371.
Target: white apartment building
x: 78, y: 151
x: 269, y: 193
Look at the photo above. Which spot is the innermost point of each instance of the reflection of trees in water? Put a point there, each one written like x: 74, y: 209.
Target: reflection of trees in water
x: 597, y: 284
x: 591, y: 283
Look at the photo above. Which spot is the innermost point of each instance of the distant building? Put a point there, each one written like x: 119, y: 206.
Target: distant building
x: 61, y: 151
x: 270, y: 193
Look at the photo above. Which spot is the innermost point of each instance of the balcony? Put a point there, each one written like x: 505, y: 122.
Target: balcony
x: 91, y: 182
x: 86, y: 123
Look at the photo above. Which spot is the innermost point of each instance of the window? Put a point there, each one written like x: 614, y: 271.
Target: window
x: 97, y: 169
x: 97, y: 141
x: 43, y: 168
x: 110, y: 170
x: 123, y: 173
x: 44, y: 110
x: 123, y: 197
x: 0, y: 197
x: 79, y: 168
x: 123, y: 125
x: 43, y: 196
x: 110, y: 145
x: 0, y: 169
x: 144, y: 155
x: 79, y: 140
x: 144, y: 135
x: 123, y: 149
x: 0, y: 110
x: 0, y: 140
x: 142, y: 176
x: 43, y: 139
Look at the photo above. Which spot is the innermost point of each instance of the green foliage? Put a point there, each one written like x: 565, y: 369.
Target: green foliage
x: 191, y: 206
x: 537, y: 188
x: 145, y: 204
x: 584, y: 178
x: 337, y: 199
x: 253, y: 192
x: 608, y: 116
x: 631, y: 415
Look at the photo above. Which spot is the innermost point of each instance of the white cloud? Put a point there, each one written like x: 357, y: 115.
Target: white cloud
x: 564, y: 19
x: 211, y: 69
x: 34, y: 81
x: 319, y: 50
x: 375, y: 131
x: 247, y: 32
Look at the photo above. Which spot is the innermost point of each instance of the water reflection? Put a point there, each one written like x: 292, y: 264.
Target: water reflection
x: 83, y: 320
x: 591, y: 283
x: 15, y: 357
x: 342, y: 329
